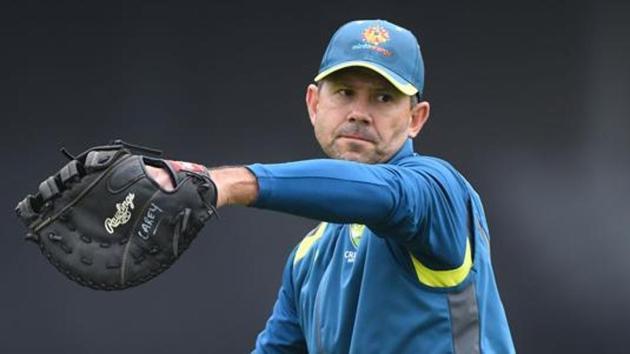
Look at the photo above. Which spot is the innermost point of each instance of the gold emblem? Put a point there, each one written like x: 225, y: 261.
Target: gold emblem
x: 375, y: 35
x: 356, y: 232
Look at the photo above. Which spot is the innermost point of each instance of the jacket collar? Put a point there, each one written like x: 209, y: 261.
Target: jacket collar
x: 405, y: 151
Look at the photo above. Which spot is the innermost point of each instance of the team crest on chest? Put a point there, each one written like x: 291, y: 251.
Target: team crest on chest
x: 356, y: 233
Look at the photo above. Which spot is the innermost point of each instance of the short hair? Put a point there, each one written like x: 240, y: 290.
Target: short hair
x: 413, y: 99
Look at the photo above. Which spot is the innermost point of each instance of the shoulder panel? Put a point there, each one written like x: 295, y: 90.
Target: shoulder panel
x: 308, y: 241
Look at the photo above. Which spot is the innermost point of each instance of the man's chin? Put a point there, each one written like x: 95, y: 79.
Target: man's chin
x: 356, y: 156
x: 351, y: 151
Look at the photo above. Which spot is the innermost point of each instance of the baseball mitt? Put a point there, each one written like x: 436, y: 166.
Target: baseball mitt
x: 106, y: 224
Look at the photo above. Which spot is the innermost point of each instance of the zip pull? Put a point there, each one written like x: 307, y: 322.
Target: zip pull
x: 140, y: 148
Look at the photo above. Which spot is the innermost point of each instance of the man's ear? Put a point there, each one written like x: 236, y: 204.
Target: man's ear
x: 312, y: 99
x: 419, y: 116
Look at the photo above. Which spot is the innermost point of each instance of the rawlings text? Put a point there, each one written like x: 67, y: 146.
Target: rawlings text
x: 123, y: 214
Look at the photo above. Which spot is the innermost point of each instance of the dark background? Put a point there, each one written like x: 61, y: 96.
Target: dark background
x: 529, y: 101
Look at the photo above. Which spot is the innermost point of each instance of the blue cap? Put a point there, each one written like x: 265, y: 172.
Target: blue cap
x: 388, y: 49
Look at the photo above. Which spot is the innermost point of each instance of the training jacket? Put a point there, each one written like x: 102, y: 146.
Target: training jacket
x: 399, y: 264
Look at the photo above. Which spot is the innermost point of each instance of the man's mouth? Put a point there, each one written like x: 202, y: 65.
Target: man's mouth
x: 355, y: 137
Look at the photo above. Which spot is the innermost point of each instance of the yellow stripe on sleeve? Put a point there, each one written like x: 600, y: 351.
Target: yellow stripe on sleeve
x: 444, y: 278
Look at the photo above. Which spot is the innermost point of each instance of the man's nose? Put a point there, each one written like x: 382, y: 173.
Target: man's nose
x: 360, y: 111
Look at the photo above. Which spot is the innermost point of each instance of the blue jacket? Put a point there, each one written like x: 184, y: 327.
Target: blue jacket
x: 400, y: 263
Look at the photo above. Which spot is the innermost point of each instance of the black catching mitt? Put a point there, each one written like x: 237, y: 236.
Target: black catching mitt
x: 104, y: 223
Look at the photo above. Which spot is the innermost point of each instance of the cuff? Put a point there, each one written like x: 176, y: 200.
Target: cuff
x: 264, y: 176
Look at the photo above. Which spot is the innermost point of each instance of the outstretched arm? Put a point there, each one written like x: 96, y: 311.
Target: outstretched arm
x: 384, y: 197
x: 330, y: 190
x: 422, y: 207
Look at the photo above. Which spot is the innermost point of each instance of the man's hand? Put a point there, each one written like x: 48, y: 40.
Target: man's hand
x: 160, y: 176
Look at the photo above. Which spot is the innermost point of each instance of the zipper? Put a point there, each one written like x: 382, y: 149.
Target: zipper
x: 317, y: 310
x: 318, y: 336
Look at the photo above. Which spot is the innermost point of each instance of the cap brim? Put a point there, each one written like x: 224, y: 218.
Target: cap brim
x: 401, y: 84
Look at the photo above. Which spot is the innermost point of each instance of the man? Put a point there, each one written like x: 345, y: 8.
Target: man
x: 401, y: 260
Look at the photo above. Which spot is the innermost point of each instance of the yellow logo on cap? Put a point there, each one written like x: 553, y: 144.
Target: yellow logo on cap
x: 375, y: 35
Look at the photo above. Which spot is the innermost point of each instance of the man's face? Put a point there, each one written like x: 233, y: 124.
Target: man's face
x: 358, y: 115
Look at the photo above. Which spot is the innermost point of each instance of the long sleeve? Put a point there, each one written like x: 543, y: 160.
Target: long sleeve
x: 330, y: 190
x: 422, y: 206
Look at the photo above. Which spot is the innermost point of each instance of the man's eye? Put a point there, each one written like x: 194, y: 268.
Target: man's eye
x: 344, y: 92
x: 385, y: 97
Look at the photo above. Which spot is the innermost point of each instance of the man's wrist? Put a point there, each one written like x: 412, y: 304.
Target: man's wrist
x: 235, y: 185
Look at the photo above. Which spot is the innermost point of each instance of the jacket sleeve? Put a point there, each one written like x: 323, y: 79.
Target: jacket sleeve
x: 422, y: 206
x: 283, y: 333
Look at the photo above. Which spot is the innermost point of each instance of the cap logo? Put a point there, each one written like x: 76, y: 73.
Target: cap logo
x: 373, y: 37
